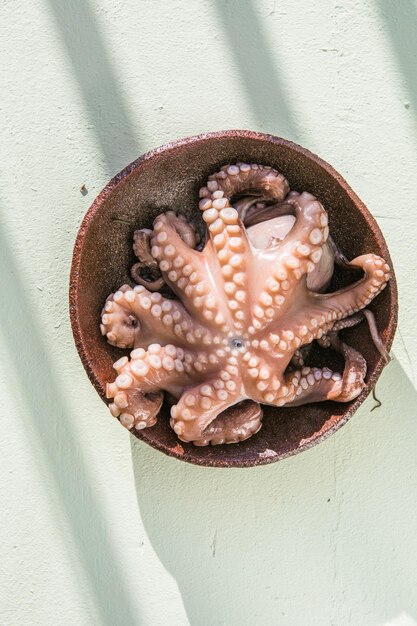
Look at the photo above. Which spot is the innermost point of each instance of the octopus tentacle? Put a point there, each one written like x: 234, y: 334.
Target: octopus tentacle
x: 146, y: 271
x: 349, y: 300
x: 151, y: 285
x: 289, y: 260
x: 160, y: 367
x: 249, y: 205
x: 322, y: 311
x: 189, y: 422
x: 297, y: 331
x: 354, y: 371
x: 133, y: 316
x: 348, y: 322
x: 185, y: 230
x: 136, y: 409
x: 186, y: 271
x: 353, y: 320
x: 259, y: 379
x: 316, y: 385
x: 200, y: 405
x: 297, y: 359
x: 226, y: 229
x: 370, y: 318
x: 313, y: 385
x: 155, y: 368
x: 234, y: 179
x: 230, y: 245
x: 311, y: 224
x: 120, y: 327
x: 237, y: 423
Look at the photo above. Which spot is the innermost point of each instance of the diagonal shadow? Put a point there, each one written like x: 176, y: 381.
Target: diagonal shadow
x: 39, y: 390
x: 322, y: 534
x: 260, y: 77
x: 102, y: 95
x: 400, y: 19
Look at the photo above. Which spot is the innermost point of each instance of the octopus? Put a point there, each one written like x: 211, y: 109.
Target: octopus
x: 222, y: 323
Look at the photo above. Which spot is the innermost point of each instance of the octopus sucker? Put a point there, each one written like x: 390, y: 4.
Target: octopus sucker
x: 245, y: 304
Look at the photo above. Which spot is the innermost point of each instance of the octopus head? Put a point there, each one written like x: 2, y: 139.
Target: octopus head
x: 267, y: 233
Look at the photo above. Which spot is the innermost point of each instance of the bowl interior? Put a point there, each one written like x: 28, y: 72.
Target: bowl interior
x: 169, y: 178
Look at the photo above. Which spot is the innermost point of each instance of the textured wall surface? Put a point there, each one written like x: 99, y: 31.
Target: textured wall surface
x: 97, y: 528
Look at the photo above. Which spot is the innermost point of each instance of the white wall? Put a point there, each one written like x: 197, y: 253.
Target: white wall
x: 96, y: 527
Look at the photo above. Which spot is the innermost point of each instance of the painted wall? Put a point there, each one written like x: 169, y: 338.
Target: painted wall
x: 96, y: 527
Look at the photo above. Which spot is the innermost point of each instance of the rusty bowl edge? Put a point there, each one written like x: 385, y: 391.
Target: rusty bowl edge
x: 75, y: 268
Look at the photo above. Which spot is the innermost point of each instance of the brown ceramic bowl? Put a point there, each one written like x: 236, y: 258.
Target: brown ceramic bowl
x: 170, y: 177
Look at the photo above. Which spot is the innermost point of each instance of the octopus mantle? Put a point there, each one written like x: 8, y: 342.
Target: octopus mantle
x: 242, y: 314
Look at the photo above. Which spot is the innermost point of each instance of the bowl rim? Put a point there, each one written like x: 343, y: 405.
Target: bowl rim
x: 178, y: 451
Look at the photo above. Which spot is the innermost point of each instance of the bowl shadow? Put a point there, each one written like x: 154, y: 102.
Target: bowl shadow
x: 317, y: 539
